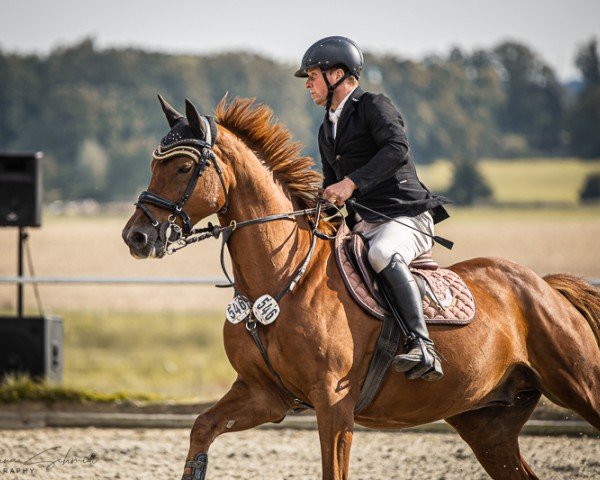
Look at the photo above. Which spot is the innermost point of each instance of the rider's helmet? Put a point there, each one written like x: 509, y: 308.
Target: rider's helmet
x: 331, y: 52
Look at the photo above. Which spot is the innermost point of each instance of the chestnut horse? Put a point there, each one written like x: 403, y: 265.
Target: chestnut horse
x: 531, y: 335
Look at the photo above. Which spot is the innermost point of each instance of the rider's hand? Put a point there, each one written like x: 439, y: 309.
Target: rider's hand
x: 339, y: 192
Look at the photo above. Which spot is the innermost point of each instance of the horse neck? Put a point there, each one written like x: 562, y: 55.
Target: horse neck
x: 264, y: 256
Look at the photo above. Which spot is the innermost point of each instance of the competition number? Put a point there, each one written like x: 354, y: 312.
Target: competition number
x: 266, y: 309
x: 238, y: 309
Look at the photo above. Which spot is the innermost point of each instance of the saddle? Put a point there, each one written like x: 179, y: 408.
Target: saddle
x: 446, y: 298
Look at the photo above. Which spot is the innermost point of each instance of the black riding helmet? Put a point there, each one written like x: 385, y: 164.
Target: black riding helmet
x: 332, y: 52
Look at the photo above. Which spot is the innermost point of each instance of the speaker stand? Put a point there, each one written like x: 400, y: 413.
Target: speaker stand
x: 23, y: 235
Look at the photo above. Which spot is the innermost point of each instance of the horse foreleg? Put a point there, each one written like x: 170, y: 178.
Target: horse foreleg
x: 492, y: 433
x: 335, y: 420
x: 240, y: 409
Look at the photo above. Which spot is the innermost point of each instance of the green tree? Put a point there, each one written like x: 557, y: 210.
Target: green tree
x: 534, y: 106
x: 589, y: 64
x: 584, y: 117
x: 449, y: 105
x: 591, y: 188
x: 468, y: 185
x: 95, y: 115
x: 92, y: 168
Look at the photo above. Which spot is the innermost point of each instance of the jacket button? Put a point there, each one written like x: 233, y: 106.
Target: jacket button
x: 338, y: 157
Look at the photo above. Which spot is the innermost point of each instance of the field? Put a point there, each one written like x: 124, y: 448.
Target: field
x: 166, y: 339
x: 533, y: 181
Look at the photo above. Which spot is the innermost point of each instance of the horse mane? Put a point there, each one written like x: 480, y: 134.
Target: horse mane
x: 273, y: 142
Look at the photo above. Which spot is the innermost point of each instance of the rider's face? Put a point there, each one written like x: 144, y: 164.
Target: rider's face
x: 317, y: 86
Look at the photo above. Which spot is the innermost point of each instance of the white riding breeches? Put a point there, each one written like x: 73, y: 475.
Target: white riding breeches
x: 386, y: 239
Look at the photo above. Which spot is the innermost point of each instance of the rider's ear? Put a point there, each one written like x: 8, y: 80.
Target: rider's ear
x: 197, y: 125
x: 172, y: 115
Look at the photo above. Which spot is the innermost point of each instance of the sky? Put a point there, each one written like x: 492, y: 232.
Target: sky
x: 283, y: 30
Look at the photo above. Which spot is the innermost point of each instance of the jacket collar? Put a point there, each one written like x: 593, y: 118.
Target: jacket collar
x: 347, y: 111
x: 349, y: 107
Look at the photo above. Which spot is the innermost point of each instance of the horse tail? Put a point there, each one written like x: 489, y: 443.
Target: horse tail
x: 583, y: 296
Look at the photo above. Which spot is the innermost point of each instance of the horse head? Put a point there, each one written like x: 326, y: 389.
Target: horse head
x: 187, y: 184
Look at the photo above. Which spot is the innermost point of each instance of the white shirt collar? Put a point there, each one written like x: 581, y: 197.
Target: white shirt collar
x: 335, y: 115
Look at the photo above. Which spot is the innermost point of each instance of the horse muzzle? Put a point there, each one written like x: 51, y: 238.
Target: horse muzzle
x: 144, y: 242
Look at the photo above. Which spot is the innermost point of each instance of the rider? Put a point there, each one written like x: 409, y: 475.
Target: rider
x: 365, y: 155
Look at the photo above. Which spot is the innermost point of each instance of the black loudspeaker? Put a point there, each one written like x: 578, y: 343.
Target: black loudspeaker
x: 32, y: 346
x: 20, y: 190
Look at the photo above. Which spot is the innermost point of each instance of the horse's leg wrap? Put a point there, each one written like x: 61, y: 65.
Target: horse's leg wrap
x: 198, y: 466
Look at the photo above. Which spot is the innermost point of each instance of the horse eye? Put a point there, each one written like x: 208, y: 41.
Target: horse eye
x: 185, y: 168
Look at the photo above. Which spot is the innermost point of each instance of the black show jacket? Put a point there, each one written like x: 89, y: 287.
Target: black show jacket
x: 372, y: 150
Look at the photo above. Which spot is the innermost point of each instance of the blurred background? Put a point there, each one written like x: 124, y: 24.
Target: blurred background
x: 501, y: 102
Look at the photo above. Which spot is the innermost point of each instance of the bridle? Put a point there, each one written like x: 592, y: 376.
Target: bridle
x: 201, y: 153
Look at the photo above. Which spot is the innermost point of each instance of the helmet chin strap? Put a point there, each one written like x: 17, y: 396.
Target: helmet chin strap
x: 331, y: 88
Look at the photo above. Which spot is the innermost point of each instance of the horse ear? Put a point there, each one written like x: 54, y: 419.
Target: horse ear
x: 171, y: 114
x: 197, y: 125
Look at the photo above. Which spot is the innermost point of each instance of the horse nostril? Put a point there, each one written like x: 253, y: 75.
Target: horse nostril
x: 138, y: 239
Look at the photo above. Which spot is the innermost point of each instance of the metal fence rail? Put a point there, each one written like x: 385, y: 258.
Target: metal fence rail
x: 138, y: 280
x: 114, y: 280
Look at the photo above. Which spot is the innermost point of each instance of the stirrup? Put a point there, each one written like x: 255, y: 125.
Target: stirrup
x: 402, y: 364
x: 418, y: 355
x: 428, y: 373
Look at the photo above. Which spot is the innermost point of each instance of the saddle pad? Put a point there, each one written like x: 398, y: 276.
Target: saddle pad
x: 447, y: 300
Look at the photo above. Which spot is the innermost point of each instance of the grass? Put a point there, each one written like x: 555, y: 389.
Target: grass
x: 18, y: 388
x: 113, y: 356
x: 140, y: 356
x: 485, y: 214
x: 176, y: 355
x: 532, y: 181
x: 437, y: 175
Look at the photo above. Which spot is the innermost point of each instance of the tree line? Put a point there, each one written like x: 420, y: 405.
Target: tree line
x: 94, y: 113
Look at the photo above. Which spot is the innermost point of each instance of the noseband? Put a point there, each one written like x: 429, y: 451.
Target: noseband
x: 200, y: 151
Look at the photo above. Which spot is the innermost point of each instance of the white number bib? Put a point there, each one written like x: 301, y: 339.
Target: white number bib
x: 266, y: 309
x: 238, y: 309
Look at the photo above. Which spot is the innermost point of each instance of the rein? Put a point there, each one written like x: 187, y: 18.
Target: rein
x: 227, y: 231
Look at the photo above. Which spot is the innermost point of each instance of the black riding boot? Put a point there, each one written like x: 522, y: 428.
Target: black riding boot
x: 420, y: 361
